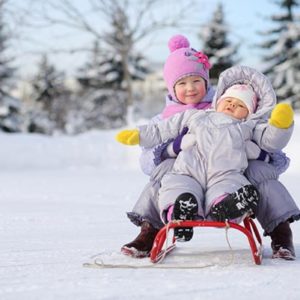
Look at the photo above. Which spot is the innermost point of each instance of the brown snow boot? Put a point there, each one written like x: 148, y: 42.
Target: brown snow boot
x: 282, y: 242
x: 141, y: 246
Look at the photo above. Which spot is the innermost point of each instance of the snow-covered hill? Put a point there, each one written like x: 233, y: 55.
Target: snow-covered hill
x: 63, y: 199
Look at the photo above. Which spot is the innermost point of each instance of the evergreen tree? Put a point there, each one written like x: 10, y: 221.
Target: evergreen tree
x: 10, y: 107
x: 126, y: 23
x: 101, y: 99
x: 283, y: 57
x: 49, y: 96
x: 221, y: 52
x: 105, y: 69
x: 103, y: 87
x: 6, y: 71
x: 96, y: 109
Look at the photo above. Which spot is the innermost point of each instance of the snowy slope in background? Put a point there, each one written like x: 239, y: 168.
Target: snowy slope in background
x: 63, y: 199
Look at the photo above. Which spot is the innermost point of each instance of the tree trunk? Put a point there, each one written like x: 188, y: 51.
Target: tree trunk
x: 128, y: 88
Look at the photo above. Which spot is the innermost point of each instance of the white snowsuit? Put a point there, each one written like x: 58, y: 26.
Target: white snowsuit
x: 216, y: 163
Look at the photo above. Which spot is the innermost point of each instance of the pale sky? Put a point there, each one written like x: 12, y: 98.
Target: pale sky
x: 244, y: 17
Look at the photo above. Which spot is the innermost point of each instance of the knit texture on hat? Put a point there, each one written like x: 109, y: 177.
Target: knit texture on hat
x: 244, y: 93
x: 184, y: 61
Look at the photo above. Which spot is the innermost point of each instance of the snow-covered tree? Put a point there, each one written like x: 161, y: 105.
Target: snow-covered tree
x: 221, y: 52
x: 49, y: 96
x: 6, y: 71
x: 96, y: 109
x: 125, y: 25
x: 283, y: 57
x: 10, y: 113
x: 102, y: 84
x: 105, y: 70
x: 10, y: 107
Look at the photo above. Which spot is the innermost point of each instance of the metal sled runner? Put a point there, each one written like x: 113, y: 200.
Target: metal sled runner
x: 249, y: 229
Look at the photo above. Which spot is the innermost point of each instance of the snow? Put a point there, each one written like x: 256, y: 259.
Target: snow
x: 63, y: 199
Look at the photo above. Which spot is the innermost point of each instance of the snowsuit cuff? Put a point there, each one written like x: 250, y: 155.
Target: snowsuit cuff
x: 161, y: 153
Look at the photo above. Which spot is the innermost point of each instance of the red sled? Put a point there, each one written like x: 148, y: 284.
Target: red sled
x: 249, y: 229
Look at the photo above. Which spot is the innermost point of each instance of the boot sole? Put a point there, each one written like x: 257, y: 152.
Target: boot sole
x: 185, y: 208
x: 133, y: 252
x: 243, y: 201
x: 283, y: 254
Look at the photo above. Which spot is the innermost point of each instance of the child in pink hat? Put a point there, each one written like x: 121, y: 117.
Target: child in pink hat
x: 157, y: 161
x: 183, y: 62
x: 186, y: 73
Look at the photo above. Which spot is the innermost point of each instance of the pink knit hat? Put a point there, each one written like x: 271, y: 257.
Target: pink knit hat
x: 244, y: 93
x: 184, y: 61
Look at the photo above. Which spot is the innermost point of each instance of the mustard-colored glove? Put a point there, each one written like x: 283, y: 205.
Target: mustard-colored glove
x: 128, y: 137
x: 282, y: 116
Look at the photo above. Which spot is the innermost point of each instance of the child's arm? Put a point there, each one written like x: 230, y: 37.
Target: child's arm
x: 146, y: 135
x: 275, y: 134
x: 255, y: 153
x: 151, y: 135
x: 152, y: 157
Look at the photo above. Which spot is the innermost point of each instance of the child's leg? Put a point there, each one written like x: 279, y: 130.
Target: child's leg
x: 184, y: 196
x: 146, y: 208
x: 185, y: 208
x: 276, y: 209
x: 236, y: 205
x: 276, y: 205
x: 146, y: 214
x: 229, y: 196
x: 282, y: 242
x: 174, y: 185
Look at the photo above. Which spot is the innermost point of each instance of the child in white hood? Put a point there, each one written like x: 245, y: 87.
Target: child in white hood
x: 207, y: 178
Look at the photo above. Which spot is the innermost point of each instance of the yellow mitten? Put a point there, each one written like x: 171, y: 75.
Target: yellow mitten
x: 128, y: 137
x: 282, y: 116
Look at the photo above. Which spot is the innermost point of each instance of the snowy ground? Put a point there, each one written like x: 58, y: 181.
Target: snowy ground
x: 64, y: 199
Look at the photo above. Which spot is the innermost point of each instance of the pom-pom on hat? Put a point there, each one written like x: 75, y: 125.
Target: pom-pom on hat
x: 184, y: 61
x: 243, y: 92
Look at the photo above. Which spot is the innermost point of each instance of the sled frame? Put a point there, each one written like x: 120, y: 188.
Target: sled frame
x: 249, y: 229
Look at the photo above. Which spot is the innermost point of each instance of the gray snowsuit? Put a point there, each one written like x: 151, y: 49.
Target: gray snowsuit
x: 214, y: 166
x: 276, y: 203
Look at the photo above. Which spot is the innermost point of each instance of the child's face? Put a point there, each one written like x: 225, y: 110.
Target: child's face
x: 190, y: 89
x: 233, y: 107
